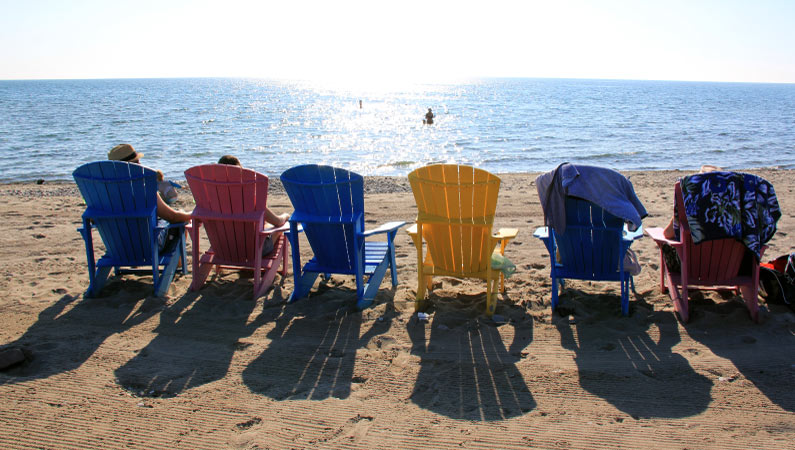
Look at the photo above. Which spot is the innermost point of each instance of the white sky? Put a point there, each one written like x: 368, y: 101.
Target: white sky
x: 711, y: 40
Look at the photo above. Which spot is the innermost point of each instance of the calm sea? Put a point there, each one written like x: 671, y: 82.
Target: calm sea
x: 47, y: 128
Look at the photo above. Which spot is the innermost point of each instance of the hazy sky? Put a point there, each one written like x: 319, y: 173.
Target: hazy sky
x: 715, y: 40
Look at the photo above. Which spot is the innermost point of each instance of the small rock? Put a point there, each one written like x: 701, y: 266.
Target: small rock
x: 10, y: 357
x: 40, y: 181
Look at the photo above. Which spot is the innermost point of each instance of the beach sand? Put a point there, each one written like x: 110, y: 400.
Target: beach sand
x: 214, y: 369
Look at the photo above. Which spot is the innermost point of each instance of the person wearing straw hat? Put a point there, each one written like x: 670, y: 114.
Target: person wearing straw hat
x: 126, y: 153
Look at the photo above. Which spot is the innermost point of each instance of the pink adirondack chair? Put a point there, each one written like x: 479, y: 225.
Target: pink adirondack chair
x: 230, y: 204
x: 712, y: 265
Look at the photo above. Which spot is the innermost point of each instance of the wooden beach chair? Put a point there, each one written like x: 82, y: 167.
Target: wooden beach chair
x: 592, y: 248
x: 121, y: 204
x: 456, y: 207
x: 329, y: 208
x: 230, y: 204
x: 711, y: 265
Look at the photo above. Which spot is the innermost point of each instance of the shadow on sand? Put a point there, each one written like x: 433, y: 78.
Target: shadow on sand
x: 312, y: 349
x: 620, y: 361
x: 196, y: 339
x: 466, y: 371
x: 727, y: 330
x: 68, y: 332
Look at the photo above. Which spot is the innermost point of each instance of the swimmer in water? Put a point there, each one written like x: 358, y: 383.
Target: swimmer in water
x: 428, y: 117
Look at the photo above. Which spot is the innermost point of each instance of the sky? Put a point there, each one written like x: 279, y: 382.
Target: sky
x: 390, y: 41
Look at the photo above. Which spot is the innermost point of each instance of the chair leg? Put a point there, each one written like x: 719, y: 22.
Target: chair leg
x: 491, y: 295
x: 555, y: 286
x: 285, y: 251
x: 164, y: 281
x: 421, y: 286
x: 663, y: 269
x: 751, y: 298
x: 625, y: 294
x: 98, y: 281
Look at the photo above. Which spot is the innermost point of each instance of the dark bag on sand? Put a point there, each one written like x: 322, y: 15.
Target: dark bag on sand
x: 777, y: 281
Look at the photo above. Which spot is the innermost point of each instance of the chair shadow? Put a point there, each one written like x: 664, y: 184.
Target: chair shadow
x: 758, y: 352
x: 624, y: 365
x: 312, y: 350
x: 68, y: 332
x: 466, y: 372
x: 196, y: 340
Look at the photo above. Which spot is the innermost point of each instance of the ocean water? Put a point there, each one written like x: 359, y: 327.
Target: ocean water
x: 49, y: 127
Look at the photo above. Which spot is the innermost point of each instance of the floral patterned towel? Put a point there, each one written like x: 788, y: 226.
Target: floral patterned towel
x: 723, y: 205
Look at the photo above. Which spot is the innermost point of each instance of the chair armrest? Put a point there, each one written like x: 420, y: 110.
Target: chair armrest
x: 385, y: 228
x: 93, y: 213
x: 541, y: 233
x: 204, y: 214
x: 632, y: 235
x: 287, y: 231
x: 412, y: 230
x: 313, y: 218
x: 659, y: 237
x: 283, y: 228
x: 505, y: 233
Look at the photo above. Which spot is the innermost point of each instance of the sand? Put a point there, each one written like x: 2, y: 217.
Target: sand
x: 214, y: 369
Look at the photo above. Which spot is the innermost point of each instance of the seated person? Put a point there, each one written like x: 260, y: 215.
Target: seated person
x: 166, y: 214
x: 270, y: 217
x: 166, y: 189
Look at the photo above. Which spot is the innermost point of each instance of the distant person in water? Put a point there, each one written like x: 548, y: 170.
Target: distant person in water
x: 428, y: 117
x: 270, y: 217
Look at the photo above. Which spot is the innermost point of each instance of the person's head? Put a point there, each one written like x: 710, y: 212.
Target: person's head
x: 709, y: 168
x: 229, y: 160
x: 124, y: 152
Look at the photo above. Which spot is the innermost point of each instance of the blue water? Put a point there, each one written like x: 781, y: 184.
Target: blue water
x: 49, y: 127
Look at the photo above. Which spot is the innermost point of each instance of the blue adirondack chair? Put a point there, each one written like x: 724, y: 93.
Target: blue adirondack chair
x: 592, y: 248
x: 121, y: 203
x: 329, y: 206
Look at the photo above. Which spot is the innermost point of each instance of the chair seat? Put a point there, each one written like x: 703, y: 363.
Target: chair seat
x: 374, y: 253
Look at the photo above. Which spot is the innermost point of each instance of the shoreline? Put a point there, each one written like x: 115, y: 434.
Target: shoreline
x: 374, y: 184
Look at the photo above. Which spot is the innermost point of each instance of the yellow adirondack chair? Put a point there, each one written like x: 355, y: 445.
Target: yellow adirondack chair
x: 456, y: 206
